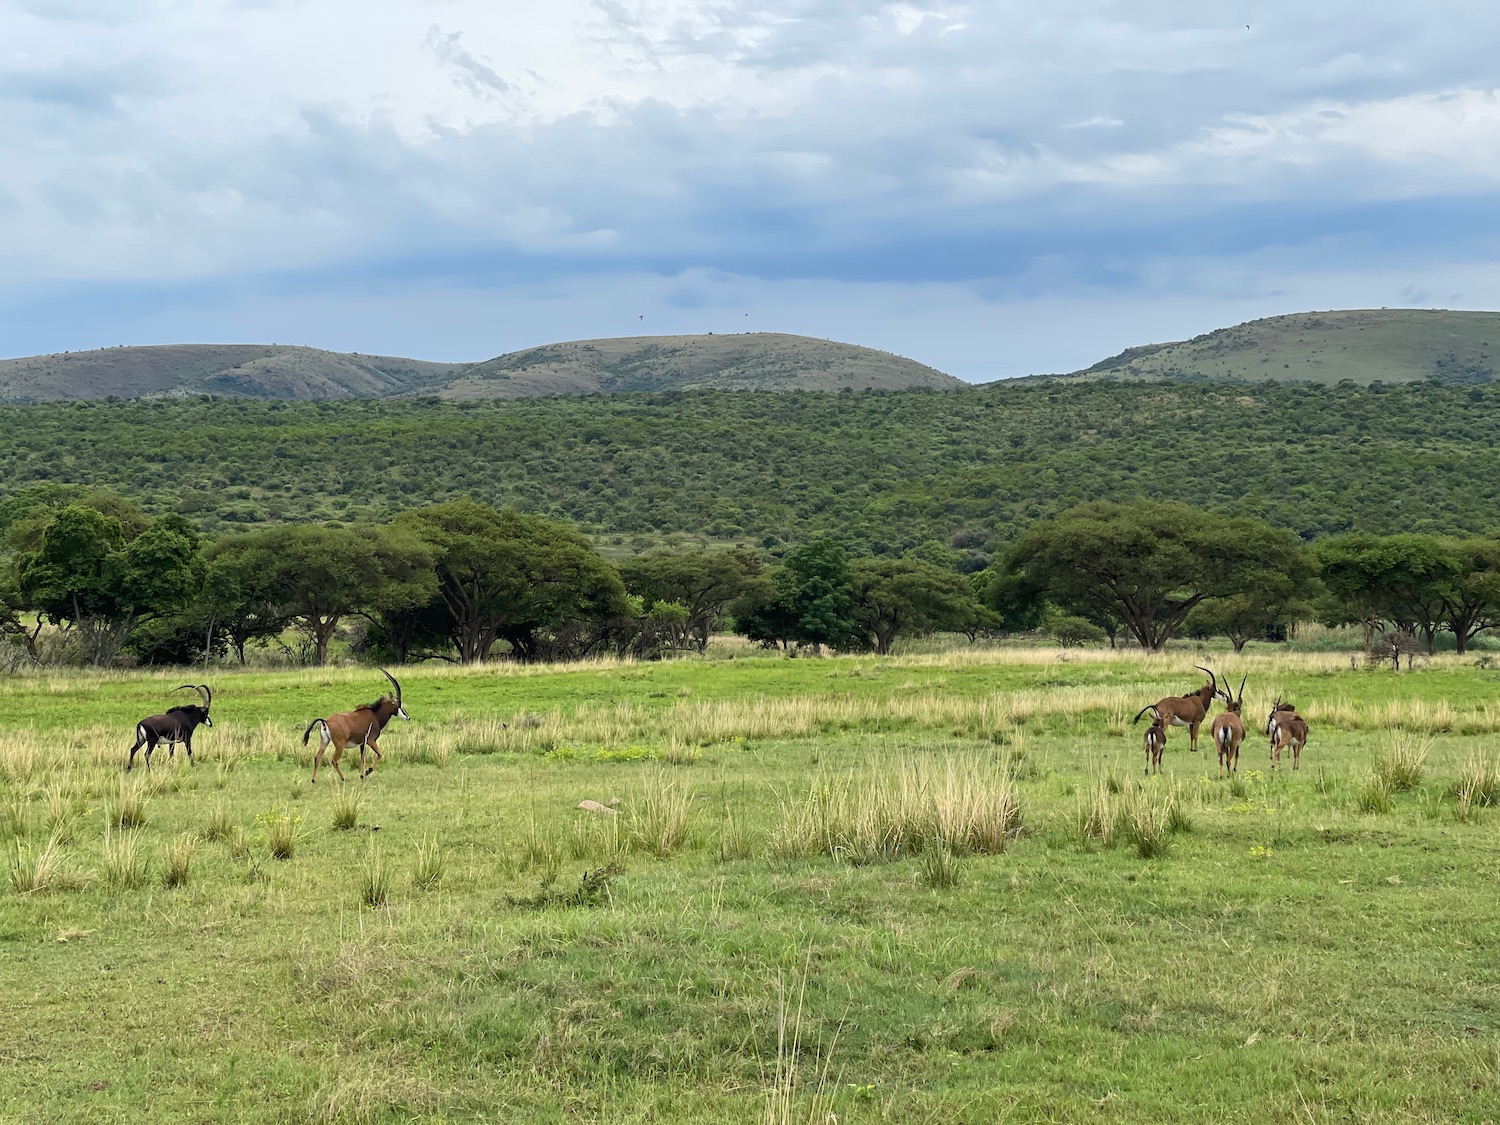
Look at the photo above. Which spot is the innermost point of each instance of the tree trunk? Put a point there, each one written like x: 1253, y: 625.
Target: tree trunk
x: 323, y: 633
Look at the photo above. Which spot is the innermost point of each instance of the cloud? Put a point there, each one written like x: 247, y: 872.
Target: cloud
x: 1157, y: 152
x: 469, y: 72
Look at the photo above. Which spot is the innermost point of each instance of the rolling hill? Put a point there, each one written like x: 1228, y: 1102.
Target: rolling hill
x: 752, y: 361
x: 1362, y: 345
x: 266, y: 371
x: 766, y: 361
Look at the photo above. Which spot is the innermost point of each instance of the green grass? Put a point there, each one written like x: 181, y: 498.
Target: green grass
x: 478, y: 948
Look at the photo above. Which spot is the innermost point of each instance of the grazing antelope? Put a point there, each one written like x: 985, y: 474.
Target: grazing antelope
x: 1228, y: 730
x: 1184, y: 710
x: 175, y: 725
x: 362, y: 725
x: 1156, y: 742
x: 1287, y: 729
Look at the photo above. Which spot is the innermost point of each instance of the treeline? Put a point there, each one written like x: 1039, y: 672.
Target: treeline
x: 466, y: 582
x: 1153, y: 571
x: 884, y: 473
x: 458, y: 581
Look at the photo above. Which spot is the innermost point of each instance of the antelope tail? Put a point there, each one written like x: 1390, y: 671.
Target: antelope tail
x: 1223, y: 735
x: 308, y: 732
x: 1149, y: 707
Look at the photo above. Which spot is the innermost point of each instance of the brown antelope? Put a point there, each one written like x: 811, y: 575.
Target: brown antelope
x: 362, y: 725
x: 1156, y: 742
x: 1184, y: 710
x: 1287, y: 729
x: 175, y: 725
x: 1228, y: 730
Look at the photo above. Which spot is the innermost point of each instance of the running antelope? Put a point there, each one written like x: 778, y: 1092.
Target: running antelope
x: 361, y: 726
x: 175, y: 725
x: 1287, y: 729
x: 1184, y: 710
x: 1156, y: 742
x: 1228, y: 730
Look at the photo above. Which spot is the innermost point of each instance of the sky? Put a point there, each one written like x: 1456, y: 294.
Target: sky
x: 994, y: 188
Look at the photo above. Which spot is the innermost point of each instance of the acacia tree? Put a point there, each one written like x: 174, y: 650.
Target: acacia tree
x: 506, y: 575
x: 315, y: 577
x: 1375, y: 579
x: 1471, y: 596
x: 897, y: 596
x: 703, y: 583
x: 88, y: 575
x: 1150, y: 564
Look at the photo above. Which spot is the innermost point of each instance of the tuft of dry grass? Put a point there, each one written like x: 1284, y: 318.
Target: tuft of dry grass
x: 658, y: 819
x: 374, y: 881
x: 35, y: 871
x: 427, y: 871
x: 1400, y: 767
x: 179, y: 862
x: 346, y: 805
x: 883, y: 814
x: 1478, y: 785
x: 124, y: 864
x: 1375, y: 797
x: 221, y: 823
x: 282, y: 831
x: 129, y: 807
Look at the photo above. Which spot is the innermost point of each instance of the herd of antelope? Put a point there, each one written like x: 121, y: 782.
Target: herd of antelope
x: 1286, y: 729
x: 361, y: 726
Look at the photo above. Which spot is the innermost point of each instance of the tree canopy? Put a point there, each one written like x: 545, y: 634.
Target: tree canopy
x: 1149, y: 564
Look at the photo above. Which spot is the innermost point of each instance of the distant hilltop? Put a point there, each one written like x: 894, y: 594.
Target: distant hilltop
x: 1362, y: 345
x: 746, y: 361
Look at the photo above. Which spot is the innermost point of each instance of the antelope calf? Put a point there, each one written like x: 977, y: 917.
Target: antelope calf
x: 1184, y: 710
x: 1228, y: 730
x: 1286, y: 729
x: 175, y: 725
x: 362, y: 726
x: 1156, y: 742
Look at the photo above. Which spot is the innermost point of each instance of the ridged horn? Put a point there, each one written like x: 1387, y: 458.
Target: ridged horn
x: 394, y: 684
x: 202, y: 690
x: 1211, y: 677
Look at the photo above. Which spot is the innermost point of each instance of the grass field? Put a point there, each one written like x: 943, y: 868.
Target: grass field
x: 932, y: 888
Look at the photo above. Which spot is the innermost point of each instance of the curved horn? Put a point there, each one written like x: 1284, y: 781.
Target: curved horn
x: 1211, y: 677
x: 394, y: 684
x: 1243, y: 678
x: 202, y: 690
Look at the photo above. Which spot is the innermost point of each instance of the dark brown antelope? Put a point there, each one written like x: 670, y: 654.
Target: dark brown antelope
x: 1184, y: 710
x: 175, y: 725
x: 1286, y: 729
x: 1156, y: 742
x: 362, y: 726
x: 1228, y: 730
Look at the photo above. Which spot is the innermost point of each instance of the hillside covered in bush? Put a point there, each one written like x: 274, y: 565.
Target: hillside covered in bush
x: 885, y: 472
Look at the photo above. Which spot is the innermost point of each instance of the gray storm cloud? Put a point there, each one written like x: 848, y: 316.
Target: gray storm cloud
x: 1077, y: 149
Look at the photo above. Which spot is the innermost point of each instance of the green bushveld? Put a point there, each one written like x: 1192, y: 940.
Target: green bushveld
x: 886, y: 472
x: 477, y: 947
